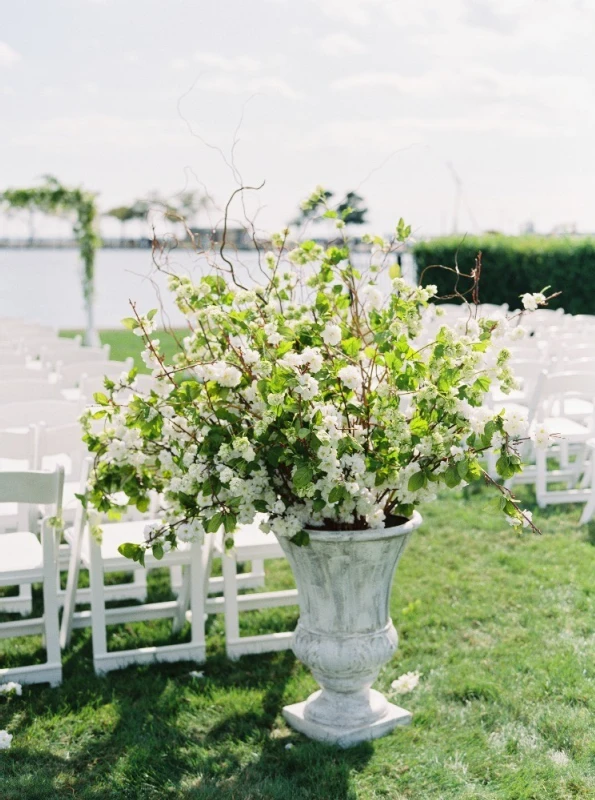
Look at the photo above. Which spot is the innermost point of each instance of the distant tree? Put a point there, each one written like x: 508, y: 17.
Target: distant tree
x: 350, y: 209
x: 123, y: 214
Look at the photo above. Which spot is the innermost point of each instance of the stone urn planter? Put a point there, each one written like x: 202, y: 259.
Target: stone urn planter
x: 344, y: 633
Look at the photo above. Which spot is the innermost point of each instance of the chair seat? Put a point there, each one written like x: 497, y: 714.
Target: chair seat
x: 251, y: 542
x: 21, y: 558
x: 567, y: 429
x: 574, y: 407
x: 116, y: 533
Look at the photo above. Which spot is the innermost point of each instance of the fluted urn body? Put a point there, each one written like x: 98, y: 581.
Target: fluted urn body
x: 345, y: 634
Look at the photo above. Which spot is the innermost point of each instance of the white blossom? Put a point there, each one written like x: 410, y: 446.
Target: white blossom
x: 331, y: 334
x: 351, y: 377
x: 532, y: 301
x: 406, y: 683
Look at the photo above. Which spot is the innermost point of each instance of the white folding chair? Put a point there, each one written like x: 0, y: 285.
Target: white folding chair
x: 63, y: 444
x: 250, y: 544
x: 30, y: 389
x: 34, y: 412
x: 24, y: 559
x: 12, y: 359
x: 103, y: 557
x: 17, y: 452
x: 74, y: 374
x: 558, y: 390
x: 36, y: 345
x: 24, y: 373
x: 59, y: 356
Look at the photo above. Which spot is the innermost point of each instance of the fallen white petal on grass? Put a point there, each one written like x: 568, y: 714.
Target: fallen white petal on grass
x: 196, y: 674
x: 406, y: 683
x: 559, y: 758
x: 5, y: 740
x: 289, y: 746
x: 12, y: 687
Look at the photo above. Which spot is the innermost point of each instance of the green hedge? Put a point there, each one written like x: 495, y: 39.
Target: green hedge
x: 513, y: 265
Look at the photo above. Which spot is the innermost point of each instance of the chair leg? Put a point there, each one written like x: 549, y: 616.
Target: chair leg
x: 74, y: 568
x: 176, y: 579
x: 197, y: 597
x: 589, y: 508
x: 140, y: 581
x: 541, y: 478
x: 183, y: 599
x: 230, y: 595
x: 257, y: 570
x: 50, y: 601
x: 98, y: 621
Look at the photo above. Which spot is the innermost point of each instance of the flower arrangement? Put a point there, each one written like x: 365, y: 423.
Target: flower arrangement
x: 316, y: 399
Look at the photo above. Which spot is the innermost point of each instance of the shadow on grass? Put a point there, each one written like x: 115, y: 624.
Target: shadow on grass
x: 155, y: 732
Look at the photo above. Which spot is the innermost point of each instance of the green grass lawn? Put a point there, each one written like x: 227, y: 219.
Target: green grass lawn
x: 502, y: 629
x: 124, y: 343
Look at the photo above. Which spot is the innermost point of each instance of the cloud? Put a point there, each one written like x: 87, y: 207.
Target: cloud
x: 340, y: 44
x: 407, y: 84
x: 262, y: 84
x: 8, y: 56
x: 101, y: 131
x: 483, y: 86
x: 236, y: 75
x: 218, y: 62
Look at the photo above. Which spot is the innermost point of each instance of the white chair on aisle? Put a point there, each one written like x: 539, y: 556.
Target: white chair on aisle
x: 74, y: 374
x: 30, y: 389
x: 63, y: 445
x: 33, y: 412
x: 557, y: 390
x: 103, y: 557
x: 17, y: 452
x: 24, y: 559
x: 13, y: 359
x: 250, y: 544
x: 24, y: 373
x: 58, y: 356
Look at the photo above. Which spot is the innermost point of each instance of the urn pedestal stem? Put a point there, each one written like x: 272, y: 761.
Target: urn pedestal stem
x: 344, y: 634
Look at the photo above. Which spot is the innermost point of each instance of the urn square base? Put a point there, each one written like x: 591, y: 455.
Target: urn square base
x: 344, y: 736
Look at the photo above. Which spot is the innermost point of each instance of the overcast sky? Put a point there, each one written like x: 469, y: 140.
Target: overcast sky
x: 392, y: 97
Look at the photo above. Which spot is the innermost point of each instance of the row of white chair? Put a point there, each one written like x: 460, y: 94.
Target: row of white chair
x: 23, y: 559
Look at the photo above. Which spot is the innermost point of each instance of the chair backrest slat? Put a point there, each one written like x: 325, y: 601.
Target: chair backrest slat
x: 38, y: 488
x: 25, y: 390
x: 51, y: 412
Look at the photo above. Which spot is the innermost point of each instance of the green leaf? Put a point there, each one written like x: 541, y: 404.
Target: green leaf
x: 302, y: 477
x: 151, y: 313
x: 418, y: 426
x: 301, y: 539
x: 474, y: 471
x: 318, y: 504
x: 452, y: 477
x: 352, y: 346
x: 462, y: 468
x: 130, y: 550
x: 158, y: 551
x: 416, y: 481
x: 100, y: 399
x: 336, y: 494
x: 130, y: 323
x: 229, y: 522
x: 142, y: 504
x: 214, y: 523
x: 394, y: 271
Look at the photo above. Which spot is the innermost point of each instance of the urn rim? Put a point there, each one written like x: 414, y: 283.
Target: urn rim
x: 368, y: 535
